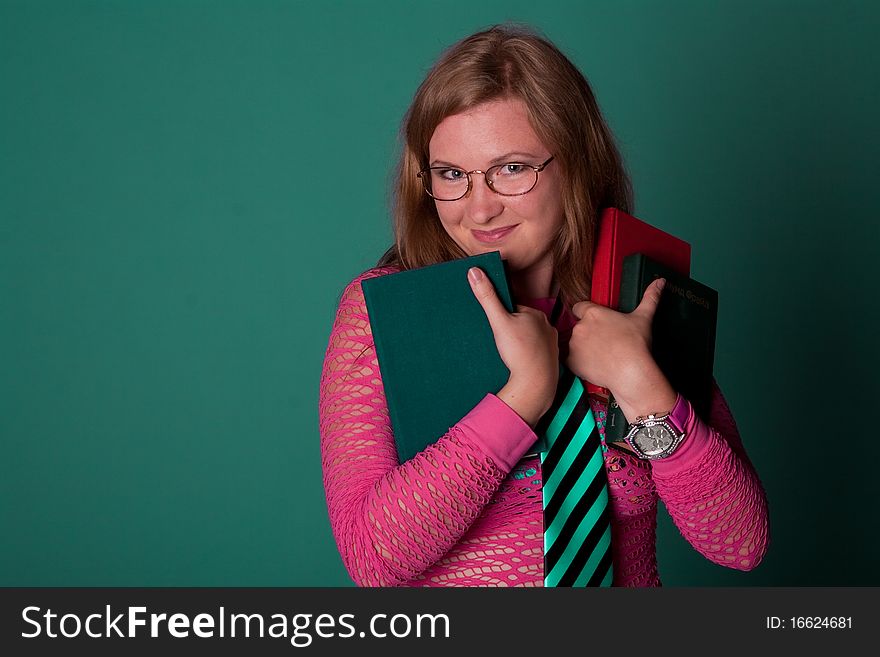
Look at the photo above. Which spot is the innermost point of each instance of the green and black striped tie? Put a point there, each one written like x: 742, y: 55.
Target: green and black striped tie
x: 577, y: 527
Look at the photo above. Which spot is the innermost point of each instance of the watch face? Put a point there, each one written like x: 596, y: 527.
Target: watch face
x: 654, y: 440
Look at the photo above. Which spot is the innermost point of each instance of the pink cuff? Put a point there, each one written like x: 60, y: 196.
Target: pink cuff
x: 696, y: 440
x: 498, y: 431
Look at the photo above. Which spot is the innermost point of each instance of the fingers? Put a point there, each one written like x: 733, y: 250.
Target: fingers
x: 647, y: 307
x: 580, y: 308
x: 485, y: 292
x: 651, y: 298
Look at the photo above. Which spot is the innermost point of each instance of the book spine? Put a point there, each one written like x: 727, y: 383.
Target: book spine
x: 382, y: 356
x: 631, y: 284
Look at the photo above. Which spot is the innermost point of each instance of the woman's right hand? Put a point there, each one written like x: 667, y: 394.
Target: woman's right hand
x: 529, y: 347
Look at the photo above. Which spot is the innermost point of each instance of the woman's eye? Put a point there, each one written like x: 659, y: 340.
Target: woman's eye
x: 512, y: 169
x: 451, y: 175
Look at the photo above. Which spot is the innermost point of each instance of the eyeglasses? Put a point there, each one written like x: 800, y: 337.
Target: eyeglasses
x: 508, y: 179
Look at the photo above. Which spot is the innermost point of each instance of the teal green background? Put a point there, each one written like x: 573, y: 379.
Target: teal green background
x: 186, y: 187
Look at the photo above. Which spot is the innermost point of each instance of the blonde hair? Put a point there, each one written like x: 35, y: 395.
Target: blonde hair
x: 509, y: 61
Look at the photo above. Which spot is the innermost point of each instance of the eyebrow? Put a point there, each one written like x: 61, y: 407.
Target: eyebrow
x: 514, y: 156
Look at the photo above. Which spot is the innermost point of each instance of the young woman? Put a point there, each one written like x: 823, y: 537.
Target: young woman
x: 505, y: 149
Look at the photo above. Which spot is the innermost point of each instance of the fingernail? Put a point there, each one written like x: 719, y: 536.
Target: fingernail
x: 475, y: 274
x: 661, y: 284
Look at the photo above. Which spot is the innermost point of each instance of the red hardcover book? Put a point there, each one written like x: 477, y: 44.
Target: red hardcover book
x: 620, y: 235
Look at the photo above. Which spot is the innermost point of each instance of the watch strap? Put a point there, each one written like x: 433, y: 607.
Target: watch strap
x: 680, y: 413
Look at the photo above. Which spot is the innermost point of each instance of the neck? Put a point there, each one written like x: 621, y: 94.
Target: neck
x: 533, y: 283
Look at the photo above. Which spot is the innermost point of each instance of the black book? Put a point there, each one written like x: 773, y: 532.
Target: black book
x: 683, y: 334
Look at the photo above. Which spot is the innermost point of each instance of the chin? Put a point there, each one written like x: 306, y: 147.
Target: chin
x: 511, y: 263
x: 479, y: 249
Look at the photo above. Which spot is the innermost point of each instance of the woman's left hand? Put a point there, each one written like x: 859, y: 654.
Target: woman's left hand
x: 613, y: 350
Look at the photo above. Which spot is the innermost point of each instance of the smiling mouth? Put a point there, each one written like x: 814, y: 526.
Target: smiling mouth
x: 490, y: 236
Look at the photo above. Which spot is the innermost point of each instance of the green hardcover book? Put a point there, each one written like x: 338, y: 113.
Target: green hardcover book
x: 435, y: 347
x: 683, y: 333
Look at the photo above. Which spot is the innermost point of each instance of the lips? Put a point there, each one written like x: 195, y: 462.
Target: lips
x: 492, y: 236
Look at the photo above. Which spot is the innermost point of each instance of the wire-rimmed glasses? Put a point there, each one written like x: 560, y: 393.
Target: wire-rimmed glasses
x: 509, y: 179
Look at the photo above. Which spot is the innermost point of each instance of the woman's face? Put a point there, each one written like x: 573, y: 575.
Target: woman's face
x: 524, y: 228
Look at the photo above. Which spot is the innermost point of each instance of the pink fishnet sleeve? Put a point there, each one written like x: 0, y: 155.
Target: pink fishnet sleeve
x: 713, y: 493
x: 392, y: 521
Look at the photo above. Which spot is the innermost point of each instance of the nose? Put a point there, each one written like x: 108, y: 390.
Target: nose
x: 482, y: 203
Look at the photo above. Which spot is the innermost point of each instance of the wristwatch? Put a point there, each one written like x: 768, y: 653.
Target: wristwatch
x: 658, y: 436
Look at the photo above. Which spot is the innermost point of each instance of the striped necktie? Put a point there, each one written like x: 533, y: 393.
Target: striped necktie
x: 577, y: 526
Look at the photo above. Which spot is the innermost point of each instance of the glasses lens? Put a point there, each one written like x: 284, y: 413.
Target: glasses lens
x: 445, y: 183
x: 512, y: 178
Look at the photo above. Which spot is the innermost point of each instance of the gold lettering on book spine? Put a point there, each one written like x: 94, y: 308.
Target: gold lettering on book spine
x: 687, y: 294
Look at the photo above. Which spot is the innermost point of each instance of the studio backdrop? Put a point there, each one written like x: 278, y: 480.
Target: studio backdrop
x: 186, y: 188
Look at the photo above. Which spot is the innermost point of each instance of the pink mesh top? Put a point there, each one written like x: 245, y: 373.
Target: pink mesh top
x: 467, y: 510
